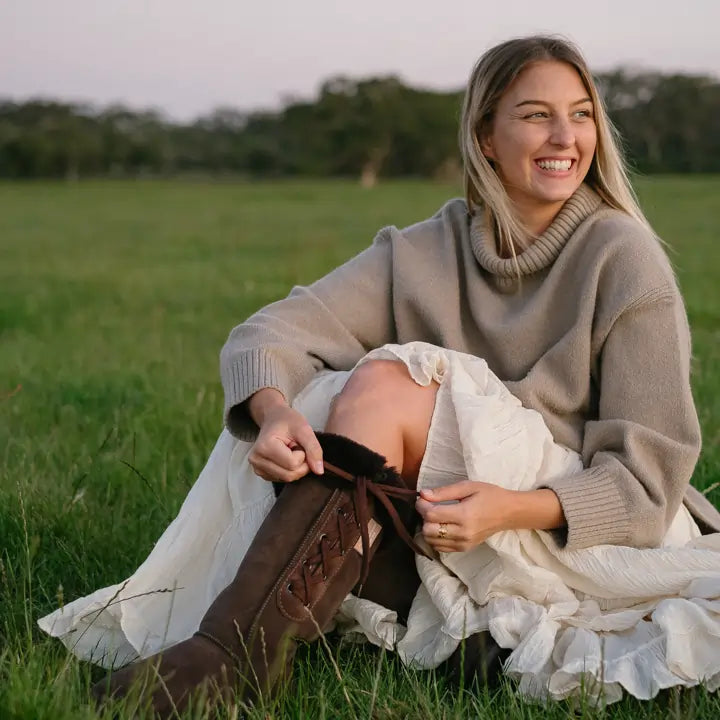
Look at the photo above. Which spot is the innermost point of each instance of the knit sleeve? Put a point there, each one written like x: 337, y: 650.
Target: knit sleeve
x: 329, y: 324
x: 640, y: 452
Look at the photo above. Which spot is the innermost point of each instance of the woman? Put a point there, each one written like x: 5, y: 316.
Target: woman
x: 506, y: 365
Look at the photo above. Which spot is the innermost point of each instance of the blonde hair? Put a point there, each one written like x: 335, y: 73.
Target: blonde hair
x: 490, y: 78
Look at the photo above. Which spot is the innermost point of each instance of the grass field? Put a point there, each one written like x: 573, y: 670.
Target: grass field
x: 115, y: 299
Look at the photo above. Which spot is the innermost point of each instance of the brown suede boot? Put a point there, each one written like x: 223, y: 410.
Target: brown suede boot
x: 313, y: 548
x: 393, y: 580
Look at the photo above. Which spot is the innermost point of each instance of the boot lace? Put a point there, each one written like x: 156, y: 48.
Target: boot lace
x: 349, y: 515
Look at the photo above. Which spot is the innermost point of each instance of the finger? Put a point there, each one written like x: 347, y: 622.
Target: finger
x: 270, y: 471
x: 262, y: 475
x: 448, y: 545
x: 432, y: 512
x: 445, y: 544
x: 455, y: 491
x: 309, y: 442
x: 272, y: 455
x: 422, y: 506
x: 441, y: 532
x: 275, y: 450
x: 288, y: 457
x: 298, y: 458
x: 444, y: 547
x: 260, y: 471
x: 453, y: 544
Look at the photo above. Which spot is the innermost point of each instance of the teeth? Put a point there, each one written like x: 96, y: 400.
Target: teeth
x: 555, y: 164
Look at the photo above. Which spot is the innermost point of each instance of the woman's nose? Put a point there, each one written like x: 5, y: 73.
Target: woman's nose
x: 562, y: 134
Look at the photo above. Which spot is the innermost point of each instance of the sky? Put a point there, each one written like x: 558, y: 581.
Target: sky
x: 186, y: 57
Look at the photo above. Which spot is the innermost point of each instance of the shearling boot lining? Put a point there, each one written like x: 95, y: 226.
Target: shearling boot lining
x: 350, y: 455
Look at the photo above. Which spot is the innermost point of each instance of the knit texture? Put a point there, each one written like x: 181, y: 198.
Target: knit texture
x: 592, y: 334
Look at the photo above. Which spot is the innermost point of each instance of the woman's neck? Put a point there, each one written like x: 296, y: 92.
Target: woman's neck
x: 536, y: 217
x: 544, y: 251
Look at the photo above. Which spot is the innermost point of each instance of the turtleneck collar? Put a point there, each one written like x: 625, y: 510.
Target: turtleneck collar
x: 543, y: 252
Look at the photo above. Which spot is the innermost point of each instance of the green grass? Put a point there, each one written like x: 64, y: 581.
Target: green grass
x: 115, y: 299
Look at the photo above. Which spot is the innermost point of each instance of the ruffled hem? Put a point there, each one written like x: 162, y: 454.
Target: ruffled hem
x: 597, y: 621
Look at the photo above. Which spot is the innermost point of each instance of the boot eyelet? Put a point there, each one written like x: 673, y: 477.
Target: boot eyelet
x: 289, y: 587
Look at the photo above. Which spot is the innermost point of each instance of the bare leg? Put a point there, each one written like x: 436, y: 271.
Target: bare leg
x: 383, y: 408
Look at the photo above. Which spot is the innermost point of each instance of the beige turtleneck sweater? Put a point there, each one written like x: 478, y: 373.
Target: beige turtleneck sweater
x: 593, y: 335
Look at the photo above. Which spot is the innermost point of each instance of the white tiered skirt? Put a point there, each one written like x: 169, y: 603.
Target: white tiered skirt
x: 599, y: 619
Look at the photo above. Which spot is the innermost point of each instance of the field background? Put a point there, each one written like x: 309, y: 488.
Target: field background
x: 115, y: 299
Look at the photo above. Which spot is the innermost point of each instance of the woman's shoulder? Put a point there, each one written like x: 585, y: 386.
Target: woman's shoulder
x: 432, y: 239
x: 624, y: 266
x: 450, y: 220
x: 626, y: 252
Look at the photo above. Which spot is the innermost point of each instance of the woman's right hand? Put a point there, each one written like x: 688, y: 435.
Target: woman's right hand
x: 286, y: 448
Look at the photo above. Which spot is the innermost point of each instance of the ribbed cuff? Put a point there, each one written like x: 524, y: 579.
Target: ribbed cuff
x: 244, y: 376
x: 595, y: 512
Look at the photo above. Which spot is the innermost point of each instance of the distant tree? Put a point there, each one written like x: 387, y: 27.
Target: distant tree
x: 365, y: 128
x: 669, y: 122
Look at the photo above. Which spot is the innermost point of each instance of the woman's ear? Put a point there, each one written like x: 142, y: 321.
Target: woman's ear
x: 486, y: 147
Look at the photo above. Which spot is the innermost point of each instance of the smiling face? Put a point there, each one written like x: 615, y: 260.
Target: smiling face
x: 542, y: 140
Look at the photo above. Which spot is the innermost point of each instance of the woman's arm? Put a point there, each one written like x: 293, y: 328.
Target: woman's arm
x: 640, y: 453
x: 331, y: 323
x: 481, y: 510
x: 263, y: 402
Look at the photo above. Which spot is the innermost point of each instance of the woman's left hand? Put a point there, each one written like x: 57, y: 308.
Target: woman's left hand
x: 481, y: 510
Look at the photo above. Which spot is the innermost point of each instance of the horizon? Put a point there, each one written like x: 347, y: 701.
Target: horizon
x: 185, y: 61
x: 98, y: 106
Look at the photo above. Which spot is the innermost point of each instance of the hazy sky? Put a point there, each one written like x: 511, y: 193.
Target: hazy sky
x: 188, y: 56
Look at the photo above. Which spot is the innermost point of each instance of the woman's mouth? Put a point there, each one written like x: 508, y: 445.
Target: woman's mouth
x: 555, y: 165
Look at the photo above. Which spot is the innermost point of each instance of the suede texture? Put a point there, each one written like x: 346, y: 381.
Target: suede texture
x: 246, y: 640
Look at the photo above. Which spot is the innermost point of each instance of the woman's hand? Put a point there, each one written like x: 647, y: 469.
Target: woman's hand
x: 481, y: 510
x: 286, y: 448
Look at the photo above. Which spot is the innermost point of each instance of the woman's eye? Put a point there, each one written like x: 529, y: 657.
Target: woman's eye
x: 583, y: 114
x: 538, y: 114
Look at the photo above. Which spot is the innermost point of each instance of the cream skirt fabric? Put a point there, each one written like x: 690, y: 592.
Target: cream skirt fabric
x: 603, y: 618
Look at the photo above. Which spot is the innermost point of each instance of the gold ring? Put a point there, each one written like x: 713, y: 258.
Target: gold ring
x: 442, y: 531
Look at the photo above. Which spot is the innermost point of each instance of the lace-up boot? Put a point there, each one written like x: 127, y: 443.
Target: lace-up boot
x: 313, y: 548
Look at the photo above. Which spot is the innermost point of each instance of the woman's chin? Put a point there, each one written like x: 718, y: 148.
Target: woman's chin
x: 556, y: 191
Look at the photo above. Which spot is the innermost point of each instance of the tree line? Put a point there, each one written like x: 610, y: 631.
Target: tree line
x: 366, y: 128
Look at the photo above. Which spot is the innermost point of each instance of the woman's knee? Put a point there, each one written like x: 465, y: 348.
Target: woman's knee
x: 384, y: 385
x: 383, y: 393
x: 376, y: 383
